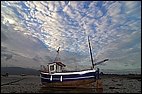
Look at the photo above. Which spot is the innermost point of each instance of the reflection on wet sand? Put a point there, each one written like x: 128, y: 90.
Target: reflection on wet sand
x: 95, y: 87
x: 70, y: 90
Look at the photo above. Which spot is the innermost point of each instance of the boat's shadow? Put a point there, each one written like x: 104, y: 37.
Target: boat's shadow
x: 70, y: 90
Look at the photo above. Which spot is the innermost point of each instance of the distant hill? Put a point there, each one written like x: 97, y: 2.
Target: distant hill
x: 18, y: 71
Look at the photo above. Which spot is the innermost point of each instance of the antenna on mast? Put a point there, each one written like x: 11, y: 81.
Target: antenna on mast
x: 91, y: 52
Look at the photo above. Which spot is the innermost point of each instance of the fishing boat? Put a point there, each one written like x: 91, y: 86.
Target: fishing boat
x: 54, y: 75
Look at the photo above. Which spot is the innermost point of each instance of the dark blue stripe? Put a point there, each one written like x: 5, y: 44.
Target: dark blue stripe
x: 56, y: 78
x: 69, y: 76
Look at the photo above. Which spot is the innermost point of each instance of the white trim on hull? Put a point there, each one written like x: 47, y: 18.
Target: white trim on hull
x: 68, y: 73
x: 71, y: 78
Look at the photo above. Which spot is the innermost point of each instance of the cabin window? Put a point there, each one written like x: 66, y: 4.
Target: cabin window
x: 58, y: 68
x: 52, y: 67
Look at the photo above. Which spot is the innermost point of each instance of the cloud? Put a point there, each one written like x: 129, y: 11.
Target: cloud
x: 111, y: 25
x: 114, y: 9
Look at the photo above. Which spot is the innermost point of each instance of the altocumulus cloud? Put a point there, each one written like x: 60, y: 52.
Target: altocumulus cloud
x: 114, y: 27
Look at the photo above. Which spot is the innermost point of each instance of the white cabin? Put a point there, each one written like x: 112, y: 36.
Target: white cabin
x: 55, y: 67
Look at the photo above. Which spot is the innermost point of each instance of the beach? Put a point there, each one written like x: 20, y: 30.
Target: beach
x: 27, y: 84
x: 110, y: 84
x: 121, y: 84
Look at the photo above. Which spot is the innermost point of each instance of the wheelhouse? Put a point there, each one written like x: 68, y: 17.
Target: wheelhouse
x: 55, y: 67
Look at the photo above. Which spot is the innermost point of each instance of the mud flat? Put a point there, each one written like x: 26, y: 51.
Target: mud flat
x: 31, y: 84
x: 121, y: 83
x: 21, y: 84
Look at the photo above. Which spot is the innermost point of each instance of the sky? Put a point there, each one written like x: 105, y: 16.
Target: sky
x: 114, y: 27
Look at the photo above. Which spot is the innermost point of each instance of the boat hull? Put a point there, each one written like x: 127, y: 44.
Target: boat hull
x: 68, y: 84
x: 69, y: 80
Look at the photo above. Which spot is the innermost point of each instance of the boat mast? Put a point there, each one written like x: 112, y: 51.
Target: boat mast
x: 57, y: 56
x: 91, y: 52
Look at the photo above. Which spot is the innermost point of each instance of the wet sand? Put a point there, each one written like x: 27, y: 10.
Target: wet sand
x: 30, y: 84
x: 110, y: 84
x: 121, y: 84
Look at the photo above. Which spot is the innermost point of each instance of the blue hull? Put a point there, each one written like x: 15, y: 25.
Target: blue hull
x: 61, y: 77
